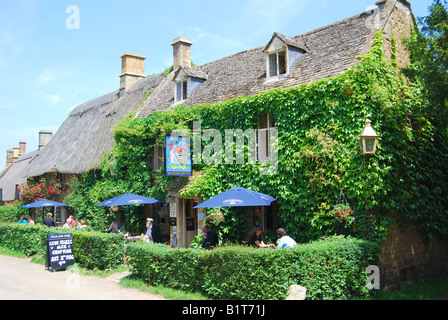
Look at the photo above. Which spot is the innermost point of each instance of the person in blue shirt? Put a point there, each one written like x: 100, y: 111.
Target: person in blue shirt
x: 22, y: 220
x: 285, y: 241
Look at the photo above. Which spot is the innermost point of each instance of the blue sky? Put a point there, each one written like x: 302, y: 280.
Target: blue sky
x: 47, y: 69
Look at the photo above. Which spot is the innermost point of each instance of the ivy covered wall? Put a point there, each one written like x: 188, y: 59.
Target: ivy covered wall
x: 318, y: 126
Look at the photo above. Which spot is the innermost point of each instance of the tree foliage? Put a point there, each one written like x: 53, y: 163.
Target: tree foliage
x: 428, y: 47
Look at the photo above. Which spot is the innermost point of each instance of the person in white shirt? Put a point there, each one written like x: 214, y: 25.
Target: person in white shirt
x: 285, y: 241
x: 152, y: 232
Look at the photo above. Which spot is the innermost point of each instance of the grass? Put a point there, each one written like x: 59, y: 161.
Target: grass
x: 168, y: 293
x: 423, y: 291
x: 11, y: 253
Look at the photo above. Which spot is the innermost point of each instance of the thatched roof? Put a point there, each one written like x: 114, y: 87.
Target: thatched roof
x: 15, y: 175
x: 329, y: 51
x: 86, y: 135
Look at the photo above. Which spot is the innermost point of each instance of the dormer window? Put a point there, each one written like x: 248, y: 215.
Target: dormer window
x: 187, y: 81
x: 283, y: 53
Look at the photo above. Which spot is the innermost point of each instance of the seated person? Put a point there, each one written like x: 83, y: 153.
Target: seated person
x: 210, y: 238
x: 114, y: 227
x: 285, y: 241
x: 256, y: 239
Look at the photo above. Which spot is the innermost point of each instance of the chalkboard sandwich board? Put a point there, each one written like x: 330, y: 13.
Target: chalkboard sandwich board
x: 59, y: 251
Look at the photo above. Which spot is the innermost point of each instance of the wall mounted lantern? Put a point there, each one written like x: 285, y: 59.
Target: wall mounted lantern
x: 368, y: 139
x: 169, y: 198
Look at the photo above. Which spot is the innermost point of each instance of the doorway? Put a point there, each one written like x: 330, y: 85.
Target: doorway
x: 191, y: 221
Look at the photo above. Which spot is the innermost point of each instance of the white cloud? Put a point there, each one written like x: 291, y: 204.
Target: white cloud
x: 213, y: 42
x: 54, y: 74
x: 278, y: 10
x: 52, y: 98
x: 46, y: 97
x: 273, y: 15
x: 11, y: 105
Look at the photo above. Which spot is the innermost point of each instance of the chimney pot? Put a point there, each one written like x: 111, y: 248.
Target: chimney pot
x: 9, y: 157
x: 22, y: 147
x: 132, y: 70
x: 181, y: 53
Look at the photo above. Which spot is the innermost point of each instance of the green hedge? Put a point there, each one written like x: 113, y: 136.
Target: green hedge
x: 21, y: 237
x: 10, y: 213
x: 93, y: 250
x: 330, y: 269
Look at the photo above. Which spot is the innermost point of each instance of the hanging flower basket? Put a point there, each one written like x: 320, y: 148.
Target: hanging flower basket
x: 342, y: 210
x: 215, y: 219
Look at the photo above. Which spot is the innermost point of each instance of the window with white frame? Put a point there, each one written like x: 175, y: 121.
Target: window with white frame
x: 265, y: 133
x: 181, y: 90
x: 277, y: 64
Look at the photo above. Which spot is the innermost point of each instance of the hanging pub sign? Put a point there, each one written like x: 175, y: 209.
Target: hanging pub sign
x: 59, y: 251
x: 178, y: 156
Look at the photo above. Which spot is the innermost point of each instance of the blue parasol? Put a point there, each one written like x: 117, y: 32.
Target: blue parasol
x: 127, y: 199
x: 44, y: 203
x: 238, y: 197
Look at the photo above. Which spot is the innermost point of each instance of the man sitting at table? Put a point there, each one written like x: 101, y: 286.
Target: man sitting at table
x: 256, y: 240
x: 210, y: 238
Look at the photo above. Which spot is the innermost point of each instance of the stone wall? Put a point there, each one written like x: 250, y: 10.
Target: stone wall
x: 399, y: 25
x: 407, y: 259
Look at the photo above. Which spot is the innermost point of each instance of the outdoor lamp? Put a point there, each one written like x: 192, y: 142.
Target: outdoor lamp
x: 368, y: 139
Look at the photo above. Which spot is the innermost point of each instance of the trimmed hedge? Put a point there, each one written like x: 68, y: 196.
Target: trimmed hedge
x: 330, y: 269
x: 21, y: 237
x: 93, y: 250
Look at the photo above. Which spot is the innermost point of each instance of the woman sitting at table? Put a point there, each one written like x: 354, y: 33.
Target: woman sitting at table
x: 256, y: 239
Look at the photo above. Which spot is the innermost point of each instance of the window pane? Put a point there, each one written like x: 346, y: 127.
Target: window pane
x: 184, y: 90
x: 282, y: 62
x: 178, y: 91
x: 263, y: 121
x: 370, y: 143
x: 272, y: 65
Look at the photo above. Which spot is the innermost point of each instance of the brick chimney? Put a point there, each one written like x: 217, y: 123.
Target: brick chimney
x: 44, y: 137
x: 132, y: 70
x: 15, y: 154
x: 181, y: 53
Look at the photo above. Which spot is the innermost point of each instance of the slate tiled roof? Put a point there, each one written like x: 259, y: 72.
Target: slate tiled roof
x: 294, y: 42
x: 330, y: 50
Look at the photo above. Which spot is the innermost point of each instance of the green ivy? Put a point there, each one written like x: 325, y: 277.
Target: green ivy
x: 319, y: 155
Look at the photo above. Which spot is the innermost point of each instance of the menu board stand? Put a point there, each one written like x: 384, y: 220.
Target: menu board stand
x: 59, y: 252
